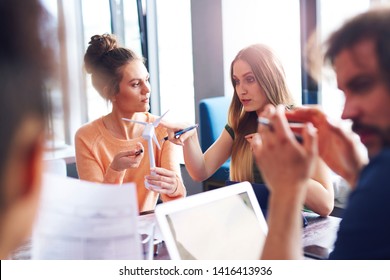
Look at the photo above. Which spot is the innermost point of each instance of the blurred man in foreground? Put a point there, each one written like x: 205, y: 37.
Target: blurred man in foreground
x: 360, y: 54
x: 24, y: 67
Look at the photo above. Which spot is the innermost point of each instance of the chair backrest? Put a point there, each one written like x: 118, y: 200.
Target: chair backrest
x: 212, y: 119
x: 261, y: 192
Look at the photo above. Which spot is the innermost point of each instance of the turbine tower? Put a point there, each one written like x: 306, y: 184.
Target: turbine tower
x: 149, y: 135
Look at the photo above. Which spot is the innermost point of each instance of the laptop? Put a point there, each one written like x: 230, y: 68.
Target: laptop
x: 221, y: 224
x: 261, y: 192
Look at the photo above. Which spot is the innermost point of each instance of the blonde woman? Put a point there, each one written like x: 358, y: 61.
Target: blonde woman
x: 258, y: 79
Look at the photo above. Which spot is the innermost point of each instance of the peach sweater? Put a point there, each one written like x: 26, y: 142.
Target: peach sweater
x: 96, y: 148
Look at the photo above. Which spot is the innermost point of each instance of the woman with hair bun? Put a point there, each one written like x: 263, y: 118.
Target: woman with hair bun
x: 110, y: 150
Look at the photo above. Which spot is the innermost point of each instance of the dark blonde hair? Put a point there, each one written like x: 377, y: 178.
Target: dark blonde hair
x: 269, y: 74
x: 372, y: 25
x: 104, y: 60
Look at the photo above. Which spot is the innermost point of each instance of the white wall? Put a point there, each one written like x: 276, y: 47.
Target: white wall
x: 274, y: 23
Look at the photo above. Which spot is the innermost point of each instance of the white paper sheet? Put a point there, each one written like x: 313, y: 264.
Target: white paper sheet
x: 84, y: 220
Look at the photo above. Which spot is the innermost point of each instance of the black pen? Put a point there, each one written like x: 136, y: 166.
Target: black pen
x: 180, y: 132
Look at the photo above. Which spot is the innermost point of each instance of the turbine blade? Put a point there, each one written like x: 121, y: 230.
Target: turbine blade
x: 157, y: 121
x: 156, y: 141
x: 134, y: 121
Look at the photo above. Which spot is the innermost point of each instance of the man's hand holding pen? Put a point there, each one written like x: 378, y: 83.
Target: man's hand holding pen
x: 275, y: 148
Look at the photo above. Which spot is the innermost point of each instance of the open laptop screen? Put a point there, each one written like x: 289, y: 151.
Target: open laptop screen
x: 225, y: 223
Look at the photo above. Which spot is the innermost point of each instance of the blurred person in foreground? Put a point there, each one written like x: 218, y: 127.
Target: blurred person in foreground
x: 360, y: 54
x: 25, y: 64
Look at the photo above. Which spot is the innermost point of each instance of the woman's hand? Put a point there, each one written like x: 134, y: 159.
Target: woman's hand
x: 172, y: 128
x: 128, y: 159
x: 162, y: 180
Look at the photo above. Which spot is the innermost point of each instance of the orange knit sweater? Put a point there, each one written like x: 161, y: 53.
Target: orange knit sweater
x: 96, y: 148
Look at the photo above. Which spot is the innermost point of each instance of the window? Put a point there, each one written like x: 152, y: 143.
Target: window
x: 332, y: 14
x: 96, y: 20
x: 131, y: 26
x: 173, y: 55
x: 175, y: 59
x: 274, y: 23
x: 56, y: 127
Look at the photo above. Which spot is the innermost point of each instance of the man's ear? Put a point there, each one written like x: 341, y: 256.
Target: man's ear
x: 34, y: 164
x: 23, y: 170
x: 22, y: 185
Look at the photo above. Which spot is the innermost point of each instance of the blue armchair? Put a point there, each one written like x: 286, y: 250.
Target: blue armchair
x: 212, y: 119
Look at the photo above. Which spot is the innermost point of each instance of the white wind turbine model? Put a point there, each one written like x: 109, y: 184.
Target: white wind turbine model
x: 149, y: 135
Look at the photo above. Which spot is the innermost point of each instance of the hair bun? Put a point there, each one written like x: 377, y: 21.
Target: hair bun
x: 98, y: 46
x: 106, y: 41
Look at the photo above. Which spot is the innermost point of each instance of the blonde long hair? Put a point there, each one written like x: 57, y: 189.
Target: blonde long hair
x: 269, y: 74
